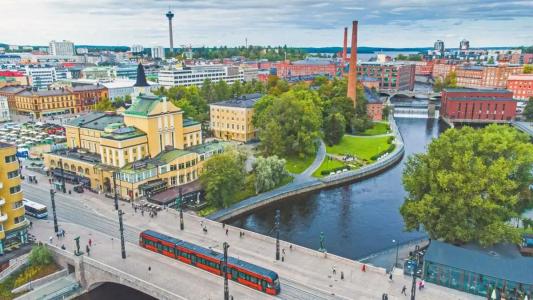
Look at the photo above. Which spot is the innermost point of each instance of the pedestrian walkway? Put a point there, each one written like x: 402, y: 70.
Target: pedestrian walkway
x: 307, y: 175
x: 57, y: 289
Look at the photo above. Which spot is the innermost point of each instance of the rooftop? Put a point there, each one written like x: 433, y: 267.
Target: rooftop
x: 168, y: 156
x: 208, y: 147
x: 245, y: 101
x: 123, y: 133
x: 468, y: 90
x: 44, y: 93
x: 12, y: 89
x: 500, y: 261
x: 372, y: 97
x: 190, y: 122
x: 5, y: 145
x: 96, y: 120
x: 143, y: 105
x: 81, y: 88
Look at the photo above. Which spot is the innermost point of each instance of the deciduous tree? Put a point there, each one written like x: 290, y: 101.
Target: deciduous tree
x: 269, y: 173
x: 469, y: 184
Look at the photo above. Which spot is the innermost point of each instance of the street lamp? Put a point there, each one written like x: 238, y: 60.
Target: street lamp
x: 182, y: 226
x: 276, y: 224
x: 225, y: 270
x: 121, y: 228
x: 413, y: 273
x: 115, y: 189
x: 63, y: 188
x: 397, y: 249
x: 52, y: 193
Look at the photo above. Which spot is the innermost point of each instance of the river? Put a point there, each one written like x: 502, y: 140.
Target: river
x: 359, y: 219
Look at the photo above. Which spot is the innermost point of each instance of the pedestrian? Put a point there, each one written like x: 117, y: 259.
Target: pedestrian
x: 283, y: 251
x: 419, y: 285
x: 290, y: 247
x: 223, y: 225
x: 88, y: 250
x: 142, y: 212
x: 342, y: 275
x: 51, y: 239
x: 226, y: 231
x: 404, y: 289
x: 384, y: 296
x: 90, y: 243
x: 423, y: 283
x: 58, y: 234
x: 334, y: 271
x: 63, y: 247
x: 363, y: 268
x: 282, y: 258
x: 31, y: 224
x: 63, y: 231
x: 390, y: 276
x: 149, y: 268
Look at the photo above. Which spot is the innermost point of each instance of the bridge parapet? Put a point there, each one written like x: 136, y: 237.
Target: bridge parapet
x: 90, y: 273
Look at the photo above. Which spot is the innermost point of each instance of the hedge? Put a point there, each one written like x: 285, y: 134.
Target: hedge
x: 390, y: 149
x: 327, y: 172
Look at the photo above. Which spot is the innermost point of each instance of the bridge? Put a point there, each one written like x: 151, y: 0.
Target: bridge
x: 304, y: 273
x: 526, y: 127
x: 411, y: 94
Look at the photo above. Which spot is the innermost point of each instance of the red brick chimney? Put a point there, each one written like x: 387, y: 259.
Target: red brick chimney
x: 352, y: 74
x: 345, y: 47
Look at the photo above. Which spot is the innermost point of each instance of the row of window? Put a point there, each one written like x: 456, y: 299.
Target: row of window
x: 10, y: 158
x: 14, y: 189
x: 13, y: 174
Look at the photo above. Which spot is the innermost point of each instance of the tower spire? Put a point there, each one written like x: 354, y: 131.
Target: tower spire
x: 169, y: 16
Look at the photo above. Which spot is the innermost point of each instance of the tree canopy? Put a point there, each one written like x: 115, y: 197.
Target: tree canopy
x: 469, y: 184
x: 289, y: 124
x: 528, y: 110
x: 450, y: 81
x: 269, y: 173
x: 104, y: 105
x: 223, y: 175
x: 528, y: 69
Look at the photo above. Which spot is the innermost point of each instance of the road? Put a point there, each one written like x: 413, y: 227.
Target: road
x: 304, y: 274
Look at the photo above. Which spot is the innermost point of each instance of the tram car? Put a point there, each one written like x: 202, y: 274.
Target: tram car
x: 242, y: 272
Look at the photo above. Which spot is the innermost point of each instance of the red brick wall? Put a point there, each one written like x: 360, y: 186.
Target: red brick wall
x: 375, y: 111
x: 502, y: 107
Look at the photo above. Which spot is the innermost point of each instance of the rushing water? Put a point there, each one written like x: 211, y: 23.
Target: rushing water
x: 358, y: 219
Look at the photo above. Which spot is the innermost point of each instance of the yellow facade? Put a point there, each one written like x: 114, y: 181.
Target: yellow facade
x: 13, y: 228
x: 232, y: 123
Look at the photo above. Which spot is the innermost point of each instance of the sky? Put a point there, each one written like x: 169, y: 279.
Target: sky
x: 297, y: 23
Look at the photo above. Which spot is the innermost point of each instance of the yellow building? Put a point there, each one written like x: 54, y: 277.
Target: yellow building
x: 13, y: 223
x: 150, y: 147
x: 232, y: 119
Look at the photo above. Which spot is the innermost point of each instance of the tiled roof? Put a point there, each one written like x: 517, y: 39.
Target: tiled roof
x: 189, y: 122
x: 45, y: 93
x: 96, y: 120
x: 12, y: 89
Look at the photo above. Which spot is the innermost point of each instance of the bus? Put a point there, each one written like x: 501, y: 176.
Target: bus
x: 35, y: 209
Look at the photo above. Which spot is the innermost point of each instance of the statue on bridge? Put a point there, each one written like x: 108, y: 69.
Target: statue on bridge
x: 322, y: 247
x: 77, y: 252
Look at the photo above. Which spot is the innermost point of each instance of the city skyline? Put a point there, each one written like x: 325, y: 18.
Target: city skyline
x: 302, y: 23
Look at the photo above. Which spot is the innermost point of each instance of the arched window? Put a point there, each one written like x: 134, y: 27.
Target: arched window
x: 80, y: 170
x: 86, y: 171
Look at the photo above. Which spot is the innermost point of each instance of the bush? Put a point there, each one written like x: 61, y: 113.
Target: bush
x: 334, y: 170
x: 40, y: 256
x: 27, y: 275
x: 390, y: 139
x: 389, y: 149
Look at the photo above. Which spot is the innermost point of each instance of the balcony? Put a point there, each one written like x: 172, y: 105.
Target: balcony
x: 3, y: 217
x: 1, y: 185
x: 2, y: 201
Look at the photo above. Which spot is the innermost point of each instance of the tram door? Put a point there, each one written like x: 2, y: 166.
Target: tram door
x: 263, y: 285
x: 159, y: 247
x: 234, y: 274
x: 193, y: 259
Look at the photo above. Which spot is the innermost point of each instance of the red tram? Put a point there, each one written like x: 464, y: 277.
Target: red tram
x: 245, y: 273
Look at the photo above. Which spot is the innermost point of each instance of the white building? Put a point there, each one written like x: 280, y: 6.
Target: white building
x: 82, y: 51
x: 41, y: 77
x: 249, y: 73
x: 4, y: 109
x: 195, y: 75
x: 158, y: 52
x: 137, y: 48
x: 61, y: 48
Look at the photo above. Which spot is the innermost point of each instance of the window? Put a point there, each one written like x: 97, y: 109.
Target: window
x: 19, y: 219
x: 172, y: 167
x: 18, y: 204
x: 10, y: 158
x: 13, y: 174
x: 14, y: 189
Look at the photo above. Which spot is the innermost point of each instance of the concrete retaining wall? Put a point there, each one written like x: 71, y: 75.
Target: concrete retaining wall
x: 14, y: 265
x: 41, y: 281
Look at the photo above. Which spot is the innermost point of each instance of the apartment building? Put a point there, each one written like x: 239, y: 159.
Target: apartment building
x: 232, y: 119
x: 195, y: 75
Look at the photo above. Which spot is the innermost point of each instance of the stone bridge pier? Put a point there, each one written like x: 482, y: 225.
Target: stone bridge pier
x: 91, y: 273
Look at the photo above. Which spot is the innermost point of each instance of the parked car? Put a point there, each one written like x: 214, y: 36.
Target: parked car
x: 78, y: 189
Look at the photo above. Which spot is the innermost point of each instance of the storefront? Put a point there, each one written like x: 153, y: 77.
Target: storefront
x: 500, y: 271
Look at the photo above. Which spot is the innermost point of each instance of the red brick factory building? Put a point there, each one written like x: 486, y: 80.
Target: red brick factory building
x: 521, y: 85
x: 463, y: 105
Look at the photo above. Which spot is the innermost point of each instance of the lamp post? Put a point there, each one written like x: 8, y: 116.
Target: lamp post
x: 121, y: 228
x: 397, y: 249
x: 225, y: 270
x: 63, y: 188
x: 276, y: 224
x: 115, y: 189
x: 52, y: 193
x: 413, y: 273
x: 182, y: 226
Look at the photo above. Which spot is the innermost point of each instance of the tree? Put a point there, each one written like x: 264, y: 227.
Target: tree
x: 269, y: 173
x: 528, y: 69
x: 450, y: 81
x: 289, y: 124
x: 40, y: 256
x: 491, y: 60
x: 528, y: 110
x: 222, y: 91
x: 334, y: 128
x: 223, y: 175
x: 104, y: 105
x: 469, y: 184
x: 207, y: 91
x: 118, y: 102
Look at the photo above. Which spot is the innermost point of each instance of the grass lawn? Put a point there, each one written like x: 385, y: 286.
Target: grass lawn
x: 297, y: 165
x: 361, y: 147
x: 377, y: 128
x: 327, y: 164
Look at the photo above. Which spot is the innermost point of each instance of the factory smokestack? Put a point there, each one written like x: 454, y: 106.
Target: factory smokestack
x: 352, y: 73
x: 345, y: 47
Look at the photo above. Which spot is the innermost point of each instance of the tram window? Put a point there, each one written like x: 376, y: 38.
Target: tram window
x: 241, y: 275
x: 253, y: 279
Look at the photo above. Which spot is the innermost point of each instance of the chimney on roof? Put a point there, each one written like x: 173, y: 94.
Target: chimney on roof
x: 352, y: 74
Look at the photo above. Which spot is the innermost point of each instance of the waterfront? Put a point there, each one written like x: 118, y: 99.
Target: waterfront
x: 358, y: 219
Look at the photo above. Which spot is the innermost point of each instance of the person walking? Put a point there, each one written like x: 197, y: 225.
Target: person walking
x: 390, y: 276
x: 88, y: 250
x: 90, y: 243
x: 283, y: 251
x: 363, y: 268
x: 51, y: 239
x: 423, y: 284
x: 333, y: 269
x: 342, y: 275
x: 226, y: 230
x: 404, y: 289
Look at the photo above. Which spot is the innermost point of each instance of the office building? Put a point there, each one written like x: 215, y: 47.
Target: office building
x: 464, y: 45
x: 439, y: 47
x: 13, y: 223
x: 64, y: 48
x: 41, y: 77
x: 158, y: 52
x: 489, y: 76
x: 392, y: 76
x: 137, y: 48
x: 195, y: 75
x: 477, y: 105
x: 232, y: 119
x: 4, y: 109
x: 521, y: 85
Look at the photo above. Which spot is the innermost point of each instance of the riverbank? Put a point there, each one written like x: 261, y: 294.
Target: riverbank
x: 303, y: 186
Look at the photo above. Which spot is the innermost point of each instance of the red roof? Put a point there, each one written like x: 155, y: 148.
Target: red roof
x: 11, y: 74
